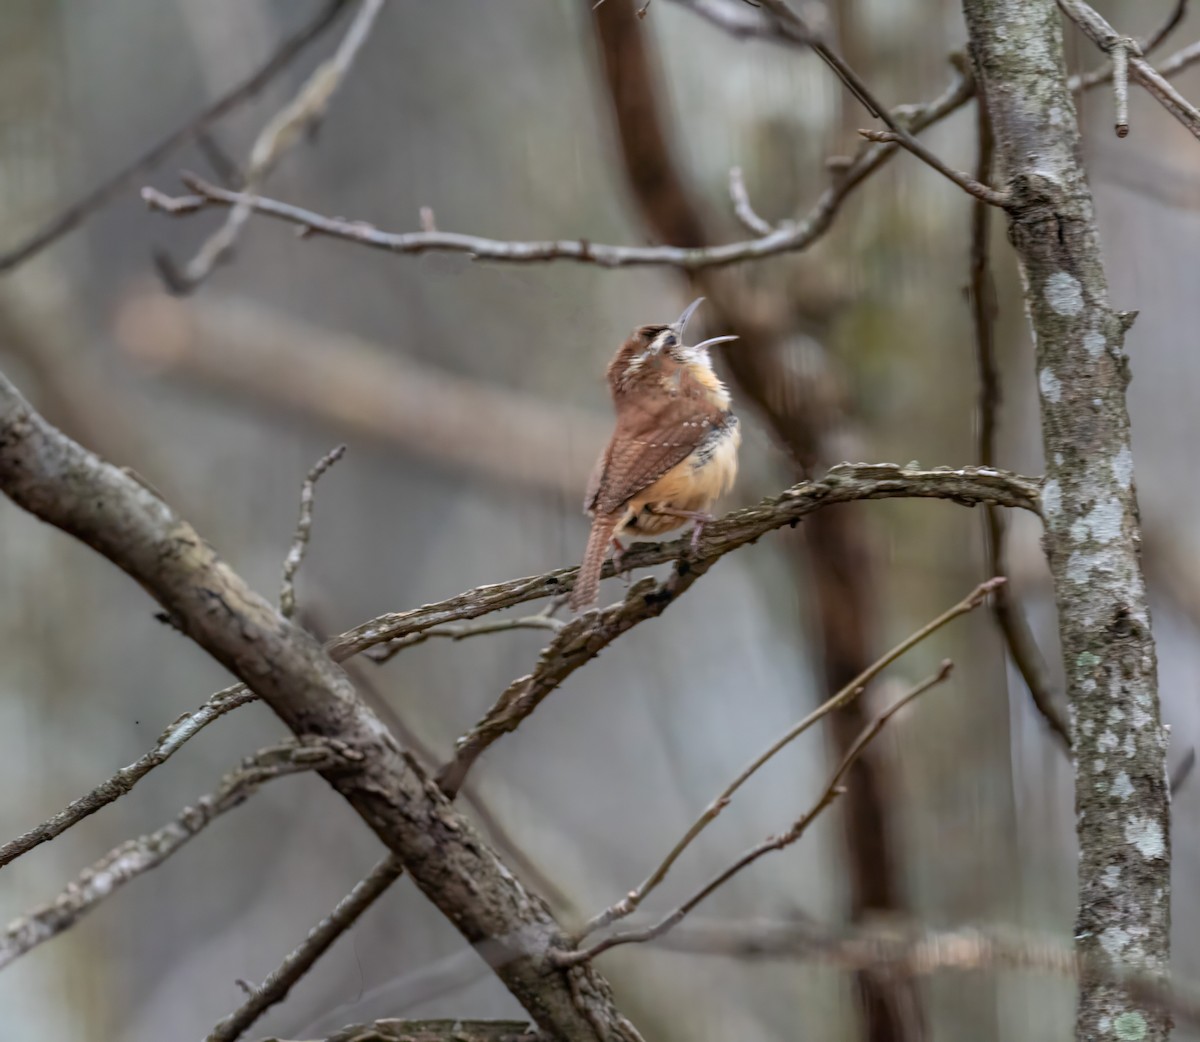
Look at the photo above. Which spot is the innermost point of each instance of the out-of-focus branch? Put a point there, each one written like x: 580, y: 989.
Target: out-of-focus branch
x: 276, y: 987
x: 59, y: 481
x: 457, y: 1030
x: 910, y: 951
x: 299, y: 547
x: 1125, y: 51
x: 126, y: 778
x: 107, y: 190
x: 131, y: 859
x: 981, y: 293
x: 282, y: 133
x: 633, y: 900
x: 792, y: 237
x: 833, y: 789
x: 357, y: 387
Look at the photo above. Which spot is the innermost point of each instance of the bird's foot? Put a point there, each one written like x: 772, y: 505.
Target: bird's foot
x: 618, y: 560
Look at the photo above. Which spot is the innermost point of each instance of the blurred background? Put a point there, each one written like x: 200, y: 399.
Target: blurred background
x: 500, y: 117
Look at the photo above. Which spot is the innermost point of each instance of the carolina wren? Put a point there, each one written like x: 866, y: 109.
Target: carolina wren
x: 674, y: 450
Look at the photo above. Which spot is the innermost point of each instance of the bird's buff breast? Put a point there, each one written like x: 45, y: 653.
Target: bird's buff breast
x: 693, y: 485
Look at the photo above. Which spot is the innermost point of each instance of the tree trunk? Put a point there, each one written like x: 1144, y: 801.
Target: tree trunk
x: 1090, y: 510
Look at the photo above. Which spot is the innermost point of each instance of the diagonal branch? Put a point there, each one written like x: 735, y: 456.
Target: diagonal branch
x: 632, y: 901
x: 578, y: 642
x: 833, y: 789
x: 108, y: 190
x: 276, y: 987
x: 56, y: 479
x: 131, y: 859
x: 169, y: 742
x: 282, y: 133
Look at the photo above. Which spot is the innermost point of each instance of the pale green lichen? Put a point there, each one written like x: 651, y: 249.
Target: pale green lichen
x: 1130, y: 1027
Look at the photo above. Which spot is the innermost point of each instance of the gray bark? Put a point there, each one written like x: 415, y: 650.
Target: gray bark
x: 52, y: 476
x: 1090, y: 509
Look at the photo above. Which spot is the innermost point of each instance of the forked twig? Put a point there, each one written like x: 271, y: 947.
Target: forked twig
x: 833, y: 789
x: 631, y: 901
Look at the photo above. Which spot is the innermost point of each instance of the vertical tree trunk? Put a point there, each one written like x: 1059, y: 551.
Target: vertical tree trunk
x: 1090, y: 507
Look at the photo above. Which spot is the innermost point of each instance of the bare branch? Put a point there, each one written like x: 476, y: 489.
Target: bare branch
x: 786, y: 239
x: 282, y: 133
x: 845, y: 483
x: 120, y: 783
x: 578, y: 642
x: 358, y: 389
x: 981, y: 293
x: 632, y: 901
x: 295, y: 555
x: 742, y: 207
x: 833, y: 789
x: 46, y: 473
x: 108, y: 190
x: 968, y: 184
x: 276, y: 987
x: 139, y: 855
x: 742, y: 21
x: 1122, y: 50
x: 541, y: 621
x: 457, y: 1030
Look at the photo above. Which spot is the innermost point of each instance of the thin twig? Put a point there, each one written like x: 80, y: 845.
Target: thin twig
x: 833, y: 789
x: 275, y: 988
x: 109, y: 189
x: 984, y: 193
x: 1104, y: 36
x: 299, y: 547
x: 742, y: 207
x: 120, y: 783
x: 1104, y: 74
x: 788, y: 238
x: 631, y: 901
x: 139, y: 855
x: 541, y: 621
x: 280, y: 134
x: 1014, y: 628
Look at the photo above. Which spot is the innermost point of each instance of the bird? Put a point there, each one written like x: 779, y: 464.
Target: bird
x: 673, y: 452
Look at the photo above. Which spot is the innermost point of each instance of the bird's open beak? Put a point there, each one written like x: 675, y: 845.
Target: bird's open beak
x: 681, y: 323
x: 711, y: 342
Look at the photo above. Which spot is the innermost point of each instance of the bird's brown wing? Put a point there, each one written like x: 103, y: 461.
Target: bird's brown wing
x: 653, y: 435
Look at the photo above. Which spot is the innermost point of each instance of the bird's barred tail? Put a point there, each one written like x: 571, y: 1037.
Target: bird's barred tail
x: 587, y: 583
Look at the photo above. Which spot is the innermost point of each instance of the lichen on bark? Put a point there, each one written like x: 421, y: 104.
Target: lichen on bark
x: 1089, y: 504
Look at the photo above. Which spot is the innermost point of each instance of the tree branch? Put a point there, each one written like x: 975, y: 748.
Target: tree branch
x: 131, y: 859
x: 633, y: 900
x: 295, y: 555
x: 1090, y: 507
x: 108, y: 190
x: 126, y: 778
x: 789, y: 238
x: 276, y: 987
x: 281, y: 133
x: 389, y: 1030
x: 984, y: 193
x: 1125, y: 51
x: 47, y: 474
x: 833, y: 789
